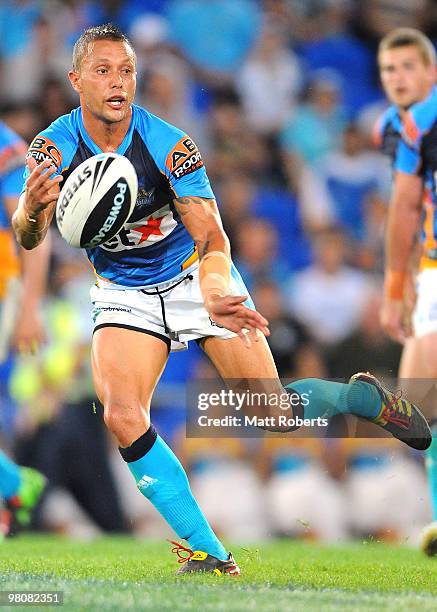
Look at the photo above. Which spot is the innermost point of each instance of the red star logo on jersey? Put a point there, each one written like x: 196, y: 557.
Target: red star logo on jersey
x: 152, y: 226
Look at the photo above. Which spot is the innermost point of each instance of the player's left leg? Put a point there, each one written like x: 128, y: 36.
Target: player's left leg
x: 256, y: 368
x: 363, y: 396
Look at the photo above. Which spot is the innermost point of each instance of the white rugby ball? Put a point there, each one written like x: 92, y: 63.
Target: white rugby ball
x: 96, y: 200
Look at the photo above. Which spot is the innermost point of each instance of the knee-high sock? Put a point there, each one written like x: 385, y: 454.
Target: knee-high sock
x: 161, y: 478
x: 431, y: 469
x: 9, y: 477
x: 327, y: 399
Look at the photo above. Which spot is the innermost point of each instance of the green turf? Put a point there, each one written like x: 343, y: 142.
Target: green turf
x: 123, y: 574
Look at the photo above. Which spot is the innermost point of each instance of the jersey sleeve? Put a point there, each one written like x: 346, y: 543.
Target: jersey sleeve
x: 411, y: 132
x: 377, y: 133
x: 177, y: 157
x: 387, y: 119
x: 408, y: 155
x: 56, y: 144
x: 185, y: 170
x: 407, y: 159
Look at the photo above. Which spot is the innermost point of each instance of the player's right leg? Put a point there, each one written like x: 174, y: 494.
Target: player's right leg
x: 417, y: 373
x: 127, y: 365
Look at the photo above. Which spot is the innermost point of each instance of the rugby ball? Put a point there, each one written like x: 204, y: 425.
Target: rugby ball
x: 96, y: 200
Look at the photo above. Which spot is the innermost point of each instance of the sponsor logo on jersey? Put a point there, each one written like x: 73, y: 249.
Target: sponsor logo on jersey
x: 43, y: 148
x: 184, y: 158
x: 152, y: 227
x: 143, y: 233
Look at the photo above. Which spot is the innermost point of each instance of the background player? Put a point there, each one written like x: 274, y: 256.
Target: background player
x: 20, y: 323
x: 151, y: 292
x: 408, y: 132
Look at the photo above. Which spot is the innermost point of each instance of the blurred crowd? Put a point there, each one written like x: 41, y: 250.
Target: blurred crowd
x: 281, y: 97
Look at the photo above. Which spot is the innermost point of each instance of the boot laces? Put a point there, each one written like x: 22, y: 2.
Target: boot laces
x: 391, y: 412
x: 181, y: 551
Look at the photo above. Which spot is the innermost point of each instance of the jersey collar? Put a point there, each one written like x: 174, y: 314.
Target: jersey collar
x: 121, y: 150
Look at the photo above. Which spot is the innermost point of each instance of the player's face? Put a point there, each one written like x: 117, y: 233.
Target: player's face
x: 405, y: 76
x: 106, y: 80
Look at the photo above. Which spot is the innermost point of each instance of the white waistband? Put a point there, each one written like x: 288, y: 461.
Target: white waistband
x: 160, y: 286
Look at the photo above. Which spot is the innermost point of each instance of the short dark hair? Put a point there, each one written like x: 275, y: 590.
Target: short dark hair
x: 409, y: 37
x: 107, y: 31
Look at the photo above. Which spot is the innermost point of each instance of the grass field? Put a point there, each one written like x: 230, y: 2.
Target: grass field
x: 123, y: 574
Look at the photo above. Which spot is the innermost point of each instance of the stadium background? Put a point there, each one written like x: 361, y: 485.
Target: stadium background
x: 281, y: 97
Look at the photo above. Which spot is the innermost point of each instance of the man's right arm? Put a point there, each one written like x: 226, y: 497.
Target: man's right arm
x: 37, y: 204
x: 403, y: 223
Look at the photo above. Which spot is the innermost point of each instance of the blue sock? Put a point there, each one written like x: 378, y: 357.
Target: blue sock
x: 161, y: 478
x: 431, y: 470
x: 327, y: 399
x: 9, y: 477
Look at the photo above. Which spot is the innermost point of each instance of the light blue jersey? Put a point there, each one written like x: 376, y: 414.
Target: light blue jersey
x: 411, y: 143
x: 153, y: 246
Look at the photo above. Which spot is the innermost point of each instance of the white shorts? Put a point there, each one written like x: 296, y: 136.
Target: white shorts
x: 172, y: 311
x: 425, y: 311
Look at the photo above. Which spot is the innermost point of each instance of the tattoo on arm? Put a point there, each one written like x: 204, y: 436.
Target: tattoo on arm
x: 202, y: 219
x: 184, y: 205
x: 203, y: 247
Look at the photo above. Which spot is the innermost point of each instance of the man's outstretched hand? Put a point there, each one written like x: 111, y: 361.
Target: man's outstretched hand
x: 230, y: 312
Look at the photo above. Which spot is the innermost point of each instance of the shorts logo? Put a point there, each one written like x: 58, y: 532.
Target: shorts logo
x: 98, y: 310
x: 42, y: 148
x: 184, y: 158
x: 113, y: 309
